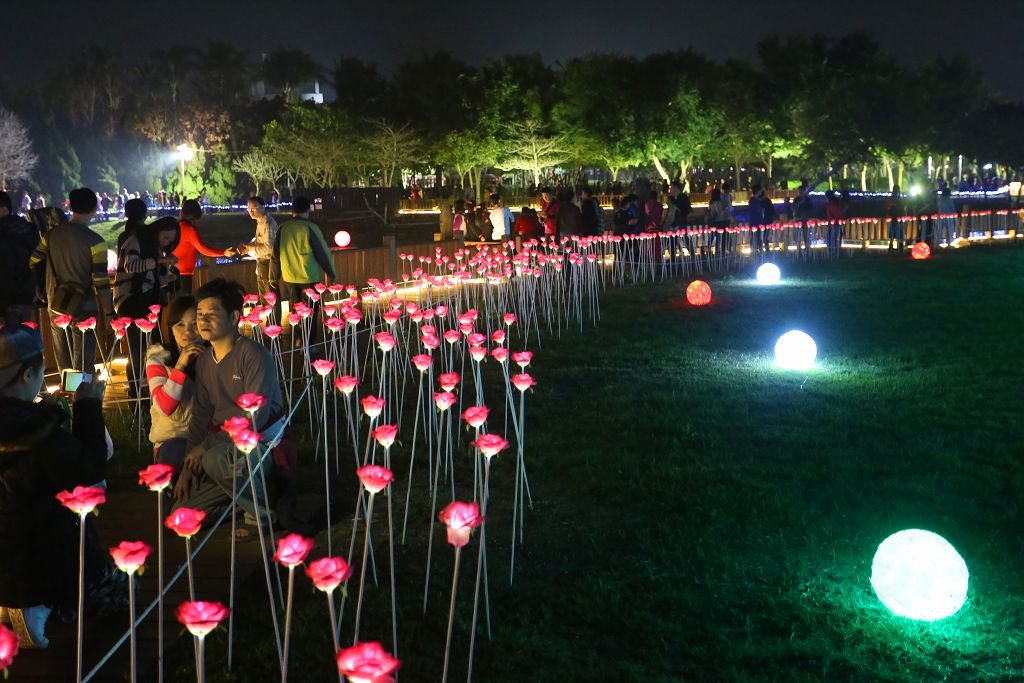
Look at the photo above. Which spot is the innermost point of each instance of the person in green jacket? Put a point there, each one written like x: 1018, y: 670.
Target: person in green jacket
x: 301, y: 259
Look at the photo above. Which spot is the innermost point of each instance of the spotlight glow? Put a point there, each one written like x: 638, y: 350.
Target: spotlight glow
x: 917, y: 574
x: 768, y: 274
x: 698, y: 293
x: 920, y: 251
x: 795, y: 350
x: 342, y: 238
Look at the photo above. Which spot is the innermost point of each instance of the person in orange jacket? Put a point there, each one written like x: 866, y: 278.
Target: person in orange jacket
x: 191, y: 244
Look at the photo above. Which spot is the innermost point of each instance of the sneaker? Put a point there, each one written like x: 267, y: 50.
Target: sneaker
x: 30, y: 625
x: 250, y: 520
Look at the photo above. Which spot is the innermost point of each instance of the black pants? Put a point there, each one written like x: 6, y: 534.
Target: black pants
x: 135, y: 306
x: 293, y: 293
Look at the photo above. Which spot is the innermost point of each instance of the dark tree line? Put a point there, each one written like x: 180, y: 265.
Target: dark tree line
x: 806, y: 106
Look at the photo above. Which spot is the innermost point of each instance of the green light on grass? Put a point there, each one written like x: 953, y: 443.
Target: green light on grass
x: 919, y: 575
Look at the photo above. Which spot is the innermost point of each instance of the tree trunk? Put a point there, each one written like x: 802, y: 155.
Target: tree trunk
x: 888, y: 171
x: 900, y: 166
x: 659, y: 167
x: 864, y: 177
x: 615, y: 173
x: 684, y: 172
x: 769, y: 164
x: 479, y: 174
x: 736, y: 166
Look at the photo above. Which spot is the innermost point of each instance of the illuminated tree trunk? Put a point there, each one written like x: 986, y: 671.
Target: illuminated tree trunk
x: 659, y: 167
x: 864, y: 177
x: 900, y: 167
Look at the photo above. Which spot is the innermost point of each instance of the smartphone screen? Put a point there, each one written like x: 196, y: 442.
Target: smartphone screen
x: 73, y: 378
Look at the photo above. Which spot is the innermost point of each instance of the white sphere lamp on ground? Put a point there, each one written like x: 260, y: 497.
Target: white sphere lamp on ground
x: 768, y: 274
x: 795, y: 350
x: 917, y: 574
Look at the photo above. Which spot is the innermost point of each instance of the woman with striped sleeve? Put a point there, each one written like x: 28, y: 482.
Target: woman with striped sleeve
x: 170, y: 372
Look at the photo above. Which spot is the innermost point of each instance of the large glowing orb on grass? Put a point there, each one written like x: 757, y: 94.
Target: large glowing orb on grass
x: 920, y: 251
x: 698, y: 293
x: 919, y: 575
x: 768, y: 274
x: 795, y: 350
x: 342, y: 238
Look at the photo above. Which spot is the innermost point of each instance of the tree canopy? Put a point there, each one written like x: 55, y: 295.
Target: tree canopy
x: 804, y: 105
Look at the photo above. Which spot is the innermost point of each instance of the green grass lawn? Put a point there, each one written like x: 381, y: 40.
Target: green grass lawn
x: 699, y: 515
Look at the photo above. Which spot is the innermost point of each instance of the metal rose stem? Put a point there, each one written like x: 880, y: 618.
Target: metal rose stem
x: 234, y: 529
x: 412, y: 457
x: 131, y: 617
x: 451, y: 614
x: 433, y: 511
x: 200, y: 660
x: 327, y: 467
x: 160, y: 587
x: 334, y: 625
x: 81, y: 589
x: 479, y: 563
x: 362, y: 571
x: 391, y: 557
x: 266, y: 564
x: 287, y: 623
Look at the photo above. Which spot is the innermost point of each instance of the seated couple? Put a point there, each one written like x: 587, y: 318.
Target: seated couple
x: 194, y: 383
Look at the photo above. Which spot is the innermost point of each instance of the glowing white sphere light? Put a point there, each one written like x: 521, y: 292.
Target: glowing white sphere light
x: 342, y: 238
x: 768, y: 274
x: 917, y: 574
x: 111, y: 261
x: 795, y: 350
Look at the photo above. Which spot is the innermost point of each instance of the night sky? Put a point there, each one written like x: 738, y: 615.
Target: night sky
x: 40, y: 33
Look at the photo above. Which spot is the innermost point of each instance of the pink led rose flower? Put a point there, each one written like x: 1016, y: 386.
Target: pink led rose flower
x: 374, y: 477
x: 460, y: 519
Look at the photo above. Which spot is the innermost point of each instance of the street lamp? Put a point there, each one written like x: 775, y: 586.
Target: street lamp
x: 184, y: 153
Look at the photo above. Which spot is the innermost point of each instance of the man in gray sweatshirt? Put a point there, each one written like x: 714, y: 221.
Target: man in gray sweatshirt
x: 232, y: 366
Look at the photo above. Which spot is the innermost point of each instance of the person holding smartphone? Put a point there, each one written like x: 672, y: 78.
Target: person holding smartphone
x: 39, y: 458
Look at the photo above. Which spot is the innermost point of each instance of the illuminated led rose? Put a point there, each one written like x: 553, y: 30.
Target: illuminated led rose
x: 201, y: 617
x: 460, y: 519
x: 374, y: 477
x: 328, y: 573
x: 130, y: 555
x: 292, y: 550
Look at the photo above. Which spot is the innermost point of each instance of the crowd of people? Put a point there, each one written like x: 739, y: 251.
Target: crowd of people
x: 191, y: 378
x: 568, y: 211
